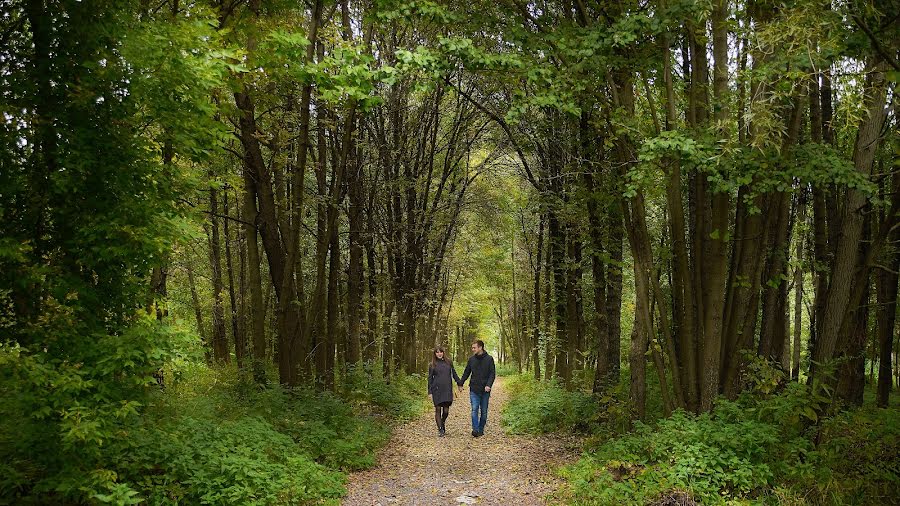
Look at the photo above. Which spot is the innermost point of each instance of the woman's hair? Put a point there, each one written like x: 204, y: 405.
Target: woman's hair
x: 434, y: 354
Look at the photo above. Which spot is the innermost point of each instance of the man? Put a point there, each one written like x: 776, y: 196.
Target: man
x: 481, y: 367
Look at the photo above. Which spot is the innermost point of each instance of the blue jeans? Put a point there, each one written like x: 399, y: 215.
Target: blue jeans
x: 479, y: 401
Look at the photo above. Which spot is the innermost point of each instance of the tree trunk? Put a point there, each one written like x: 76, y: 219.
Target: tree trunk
x: 538, y: 307
x: 614, y: 290
x: 219, y: 336
x: 798, y: 289
x: 838, y: 296
x: 774, y: 307
x: 240, y: 345
x: 886, y: 289
x: 332, y: 332
x: 195, y: 301
x: 560, y: 302
x: 256, y: 310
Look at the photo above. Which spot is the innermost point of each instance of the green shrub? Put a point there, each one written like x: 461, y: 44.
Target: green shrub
x: 505, y: 369
x: 403, y: 398
x: 858, y: 459
x: 60, y: 412
x: 756, y: 449
x: 712, y: 458
x: 199, y: 461
x: 105, y: 432
x: 539, y: 407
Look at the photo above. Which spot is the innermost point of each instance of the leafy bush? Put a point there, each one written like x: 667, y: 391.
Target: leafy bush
x: 246, y: 461
x: 106, y: 433
x: 711, y: 457
x: 508, y: 369
x: 858, y: 459
x: 403, y: 398
x: 60, y: 412
x: 538, y: 407
x: 758, y: 449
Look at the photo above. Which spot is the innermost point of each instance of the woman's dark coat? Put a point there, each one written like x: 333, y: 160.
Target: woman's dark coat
x: 441, y: 377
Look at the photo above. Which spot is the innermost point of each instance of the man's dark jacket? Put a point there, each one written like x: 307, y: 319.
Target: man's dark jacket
x: 481, y: 367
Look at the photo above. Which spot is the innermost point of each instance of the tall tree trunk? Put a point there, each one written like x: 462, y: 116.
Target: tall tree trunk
x: 774, y: 306
x: 549, y: 307
x: 614, y: 290
x: 219, y: 336
x: 256, y: 310
x: 636, y: 225
x: 886, y: 289
x: 538, y: 307
x: 372, y: 331
x: 237, y: 333
x: 332, y: 332
x: 798, y: 288
x: 838, y: 296
x: 852, y: 374
x: 558, y: 261
x: 355, y: 280
x: 195, y: 301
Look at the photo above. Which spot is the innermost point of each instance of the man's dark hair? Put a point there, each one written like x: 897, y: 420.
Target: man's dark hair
x: 479, y: 342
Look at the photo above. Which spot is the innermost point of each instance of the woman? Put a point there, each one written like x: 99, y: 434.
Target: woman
x: 441, y: 377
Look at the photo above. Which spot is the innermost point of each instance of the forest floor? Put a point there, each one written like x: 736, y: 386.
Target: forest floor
x: 419, y: 468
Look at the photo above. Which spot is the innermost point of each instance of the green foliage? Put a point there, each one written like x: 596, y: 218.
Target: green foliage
x: 59, y: 417
x: 243, y: 461
x: 757, y: 448
x: 176, y: 67
x: 508, y: 369
x: 712, y: 458
x: 536, y: 407
x: 213, y: 436
x: 858, y: 459
x: 402, y: 398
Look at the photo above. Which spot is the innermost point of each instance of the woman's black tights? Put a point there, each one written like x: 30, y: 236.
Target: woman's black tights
x: 440, y: 415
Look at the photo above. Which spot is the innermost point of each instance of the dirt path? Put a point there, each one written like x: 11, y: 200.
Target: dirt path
x: 417, y: 467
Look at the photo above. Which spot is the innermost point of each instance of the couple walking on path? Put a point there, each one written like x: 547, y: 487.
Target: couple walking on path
x: 442, y: 374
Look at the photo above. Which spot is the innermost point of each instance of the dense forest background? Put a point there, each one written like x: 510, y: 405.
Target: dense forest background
x: 231, y: 232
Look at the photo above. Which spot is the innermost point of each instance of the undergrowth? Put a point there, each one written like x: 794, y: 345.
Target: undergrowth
x: 762, y: 448
x: 211, y: 436
x: 535, y: 407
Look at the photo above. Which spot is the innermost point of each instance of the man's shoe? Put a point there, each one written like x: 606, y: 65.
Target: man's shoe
x: 441, y: 433
x: 480, y: 433
x: 475, y: 433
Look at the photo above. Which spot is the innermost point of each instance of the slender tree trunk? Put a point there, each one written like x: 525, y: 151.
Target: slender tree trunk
x: 886, y: 289
x: 557, y: 258
x: 798, y: 290
x: 195, y: 300
x: 838, y: 296
x: 852, y: 374
x: 355, y: 280
x: 548, y: 308
x: 332, y: 332
x: 219, y: 336
x: 636, y: 225
x: 372, y: 330
x: 538, y: 307
x: 256, y: 310
x: 774, y: 307
x: 388, y: 350
x: 614, y: 290
x: 236, y: 328
x: 637, y: 356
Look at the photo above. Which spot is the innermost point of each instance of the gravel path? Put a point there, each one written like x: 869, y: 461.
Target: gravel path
x: 419, y: 468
